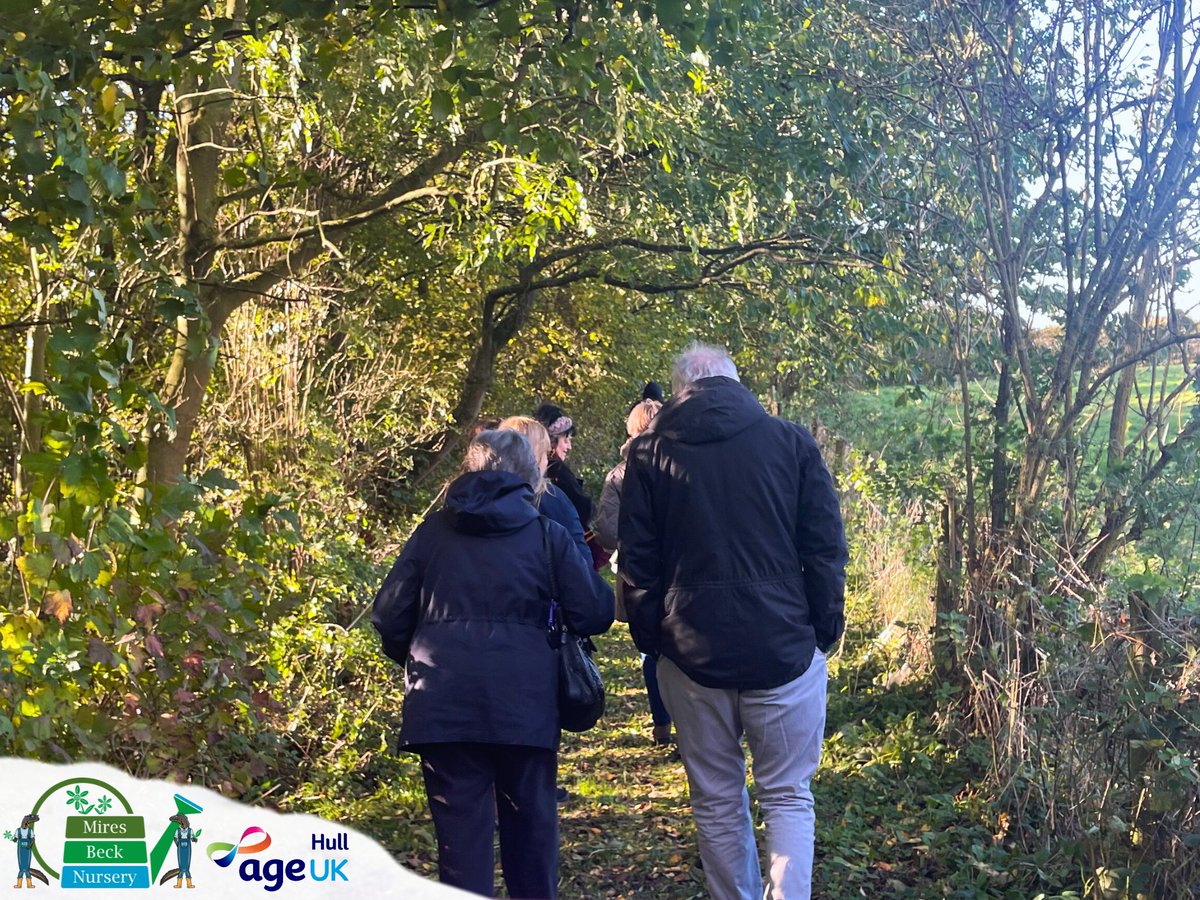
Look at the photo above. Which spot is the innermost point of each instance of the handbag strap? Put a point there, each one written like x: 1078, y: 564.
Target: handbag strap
x: 554, y: 625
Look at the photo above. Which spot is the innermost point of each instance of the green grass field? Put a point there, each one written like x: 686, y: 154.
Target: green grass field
x: 886, y: 420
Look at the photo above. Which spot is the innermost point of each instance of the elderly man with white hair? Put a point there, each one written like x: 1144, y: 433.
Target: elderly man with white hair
x: 734, y: 557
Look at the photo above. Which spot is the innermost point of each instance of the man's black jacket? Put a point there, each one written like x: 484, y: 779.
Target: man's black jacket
x: 731, y: 541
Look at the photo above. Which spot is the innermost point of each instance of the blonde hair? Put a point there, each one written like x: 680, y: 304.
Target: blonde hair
x: 639, y: 417
x: 539, y: 440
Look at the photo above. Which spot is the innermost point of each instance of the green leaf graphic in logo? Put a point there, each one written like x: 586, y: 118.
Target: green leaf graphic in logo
x: 78, y: 799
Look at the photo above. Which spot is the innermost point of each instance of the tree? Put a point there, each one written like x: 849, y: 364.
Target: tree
x: 1058, y: 185
x: 170, y: 172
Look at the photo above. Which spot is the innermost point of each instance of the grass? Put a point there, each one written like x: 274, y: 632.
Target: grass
x: 886, y: 420
x: 897, y: 813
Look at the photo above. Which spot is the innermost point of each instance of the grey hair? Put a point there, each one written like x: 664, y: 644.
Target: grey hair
x: 504, y: 451
x: 701, y: 360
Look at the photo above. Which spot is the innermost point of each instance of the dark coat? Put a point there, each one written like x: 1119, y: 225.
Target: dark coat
x: 555, y: 506
x: 465, y: 610
x: 731, y: 541
x: 604, y: 526
x: 561, y: 476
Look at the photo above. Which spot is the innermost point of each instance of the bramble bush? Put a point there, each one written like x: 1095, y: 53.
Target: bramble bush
x: 132, y: 622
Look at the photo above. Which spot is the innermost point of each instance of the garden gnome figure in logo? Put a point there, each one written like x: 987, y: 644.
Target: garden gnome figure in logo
x: 184, y: 838
x: 24, y: 840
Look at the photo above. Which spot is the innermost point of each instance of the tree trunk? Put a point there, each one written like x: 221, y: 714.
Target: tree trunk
x: 196, y: 344
x: 1116, y: 512
x: 35, y: 370
x: 203, y: 110
x: 202, y: 113
x: 495, y: 333
x: 945, y: 598
x: 1000, y: 416
x: 480, y: 371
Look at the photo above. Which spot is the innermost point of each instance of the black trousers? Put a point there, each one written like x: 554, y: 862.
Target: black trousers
x: 470, y: 787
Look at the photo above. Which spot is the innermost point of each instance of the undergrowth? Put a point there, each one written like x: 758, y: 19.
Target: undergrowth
x: 900, y: 807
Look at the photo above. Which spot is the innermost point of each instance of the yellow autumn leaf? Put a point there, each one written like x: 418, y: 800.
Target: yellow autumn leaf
x: 108, y: 98
x: 10, y: 639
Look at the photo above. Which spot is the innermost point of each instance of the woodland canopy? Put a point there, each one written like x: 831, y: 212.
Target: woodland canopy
x: 264, y: 263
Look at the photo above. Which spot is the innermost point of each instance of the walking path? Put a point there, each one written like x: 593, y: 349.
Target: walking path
x: 896, y: 814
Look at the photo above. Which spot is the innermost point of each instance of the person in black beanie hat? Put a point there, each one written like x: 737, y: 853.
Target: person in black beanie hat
x: 652, y: 391
x: 561, y: 429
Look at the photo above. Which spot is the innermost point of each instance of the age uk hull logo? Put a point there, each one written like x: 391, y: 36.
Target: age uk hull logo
x: 271, y: 873
x: 225, y: 860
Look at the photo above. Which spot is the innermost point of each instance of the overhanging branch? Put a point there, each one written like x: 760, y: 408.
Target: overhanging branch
x: 413, y: 185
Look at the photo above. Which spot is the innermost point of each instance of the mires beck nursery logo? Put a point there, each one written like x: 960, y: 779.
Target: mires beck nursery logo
x: 105, y: 844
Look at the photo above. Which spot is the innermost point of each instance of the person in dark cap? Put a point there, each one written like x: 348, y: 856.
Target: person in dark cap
x: 652, y: 391
x: 561, y: 430
x: 607, y: 516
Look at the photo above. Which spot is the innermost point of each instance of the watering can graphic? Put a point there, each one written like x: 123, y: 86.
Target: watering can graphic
x: 183, y: 807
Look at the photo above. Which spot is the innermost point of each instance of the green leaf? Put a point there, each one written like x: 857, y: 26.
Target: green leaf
x: 670, y: 13
x: 441, y: 105
x: 218, y: 480
x: 41, y: 463
x: 118, y: 528
x: 508, y: 19
x: 235, y: 177
x: 36, y: 566
x: 114, y: 180
x: 78, y: 190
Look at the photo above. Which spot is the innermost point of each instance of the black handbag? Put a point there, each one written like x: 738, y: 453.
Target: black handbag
x: 580, y: 688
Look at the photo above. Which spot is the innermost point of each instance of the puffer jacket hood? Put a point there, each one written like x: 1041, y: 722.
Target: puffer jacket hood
x: 489, y: 502
x: 465, y: 614
x: 711, y: 409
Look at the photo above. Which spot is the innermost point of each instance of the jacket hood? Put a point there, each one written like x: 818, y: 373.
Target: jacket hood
x: 711, y: 409
x: 489, y: 502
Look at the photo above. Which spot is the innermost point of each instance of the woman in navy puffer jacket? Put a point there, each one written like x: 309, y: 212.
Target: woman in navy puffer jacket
x: 465, y: 610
